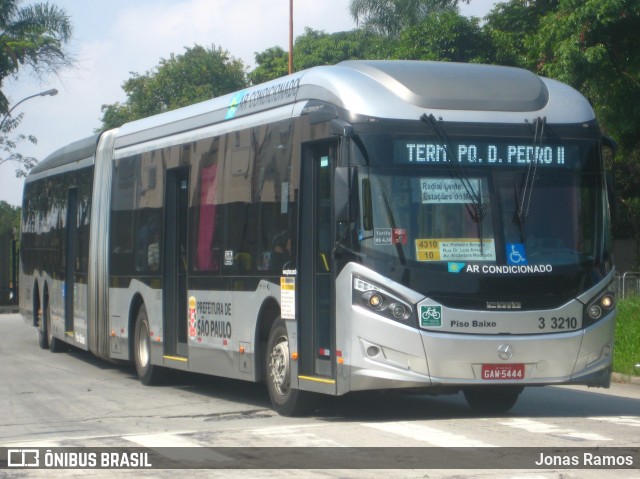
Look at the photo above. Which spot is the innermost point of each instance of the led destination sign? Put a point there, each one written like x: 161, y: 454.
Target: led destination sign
x: 492, y: 154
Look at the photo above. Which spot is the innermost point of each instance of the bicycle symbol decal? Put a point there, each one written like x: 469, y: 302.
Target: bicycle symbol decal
x: 431, y: 316
x: 516, y: 254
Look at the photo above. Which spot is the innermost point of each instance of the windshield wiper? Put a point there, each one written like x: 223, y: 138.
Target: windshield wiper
x: 523, y: 198
x: 478, y: 207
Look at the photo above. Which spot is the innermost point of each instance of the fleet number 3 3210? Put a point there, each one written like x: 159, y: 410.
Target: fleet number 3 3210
x: 558, y: 323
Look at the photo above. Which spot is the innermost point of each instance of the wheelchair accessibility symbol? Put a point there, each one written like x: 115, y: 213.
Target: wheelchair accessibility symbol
x: 516, y: 254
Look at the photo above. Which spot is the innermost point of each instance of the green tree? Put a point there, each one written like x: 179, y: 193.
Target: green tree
x: 9, y: 219
x: 272, y: 63
x: 592, y: 45
x: 511, y: 24
x: 314, y: 48
x: 390, y: 17
x: 33, y: 36
x: 197, y: 75
x: 446, y: 36
x: 9, y: 146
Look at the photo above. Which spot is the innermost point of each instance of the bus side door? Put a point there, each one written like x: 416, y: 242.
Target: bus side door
x: 70, y: 259
x: 316, y: 312
x: 176, y: 208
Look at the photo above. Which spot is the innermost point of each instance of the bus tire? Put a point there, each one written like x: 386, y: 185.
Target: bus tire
x: 492, y: 400
x: 55, y: 344
x: 148, y: 373
x: 286, y: 400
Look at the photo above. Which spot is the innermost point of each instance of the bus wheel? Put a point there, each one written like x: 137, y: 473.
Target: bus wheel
x: 55, y: 345
x: 286, y: 400
x: 492, y: 400
x: 147, y: 372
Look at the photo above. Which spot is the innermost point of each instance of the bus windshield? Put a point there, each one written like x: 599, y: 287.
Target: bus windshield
x: 465, y: 212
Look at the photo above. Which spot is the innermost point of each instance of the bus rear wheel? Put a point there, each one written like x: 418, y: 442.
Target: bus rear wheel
x: 148, y: 373
x: 492, y: 400
x: 286, y: 400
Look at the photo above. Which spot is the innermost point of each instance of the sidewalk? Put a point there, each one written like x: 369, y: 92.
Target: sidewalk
x: 625, y: 379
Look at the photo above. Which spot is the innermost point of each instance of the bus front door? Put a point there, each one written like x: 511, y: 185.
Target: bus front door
x: 174, y: 257
x: 317, y: 366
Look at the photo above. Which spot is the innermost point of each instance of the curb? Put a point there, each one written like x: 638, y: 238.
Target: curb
x: 625, y: 379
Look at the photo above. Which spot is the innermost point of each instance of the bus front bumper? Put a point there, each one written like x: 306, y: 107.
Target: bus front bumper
x: 423, y: 359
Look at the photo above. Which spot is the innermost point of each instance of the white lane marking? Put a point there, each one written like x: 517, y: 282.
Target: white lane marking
x: 173, y: 446
x: 431, y: 435
x: 538, y: 427
x: 162, y: 439
x: 624, y: 420
x: 28, y: 444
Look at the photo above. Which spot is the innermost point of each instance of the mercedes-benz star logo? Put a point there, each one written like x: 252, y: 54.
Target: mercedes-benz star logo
x: 505, y: 351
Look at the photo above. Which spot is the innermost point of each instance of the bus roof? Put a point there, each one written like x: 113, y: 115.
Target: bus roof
x: 457, y: 86
x: 402, y: 89
x: 73, y: 152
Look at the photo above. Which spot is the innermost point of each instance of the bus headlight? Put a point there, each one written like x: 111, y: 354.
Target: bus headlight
x: 374, y: 299
x: 380, y: 301
x: 595, y: 311
x: 398, y: 311
x: 607, y: 302
x: 598, y: 308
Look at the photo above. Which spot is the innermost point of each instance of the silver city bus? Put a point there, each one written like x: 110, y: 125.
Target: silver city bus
x: 371, y: 225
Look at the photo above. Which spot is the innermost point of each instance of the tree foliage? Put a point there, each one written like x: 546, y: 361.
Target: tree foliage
x: 315, y: 47
x: 271, y: 64
x: 592, y: 45
x: 9, y: 146
x: 9, y: 219
x: 32, y: 36
x: 510, y: 26
x: 445, y: 36
x: 589, y: 44
x: 197, y: 75
x: 390, y: 17
x: 319, y: 48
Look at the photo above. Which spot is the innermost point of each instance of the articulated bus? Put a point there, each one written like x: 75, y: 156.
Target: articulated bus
x: 372, y: 225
